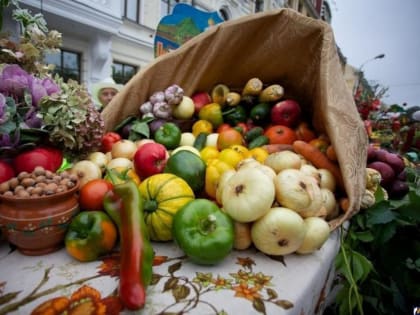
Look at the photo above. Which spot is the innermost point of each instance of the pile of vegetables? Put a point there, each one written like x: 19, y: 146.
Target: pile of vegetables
x: 234, y: 168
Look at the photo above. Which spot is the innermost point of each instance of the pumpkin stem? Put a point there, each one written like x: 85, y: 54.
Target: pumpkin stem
x: 150, y: 205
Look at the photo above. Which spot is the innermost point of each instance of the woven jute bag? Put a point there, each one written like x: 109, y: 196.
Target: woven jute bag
x: 280, y: 46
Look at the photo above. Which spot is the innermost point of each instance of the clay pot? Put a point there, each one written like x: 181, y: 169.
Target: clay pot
x: 37, y: 226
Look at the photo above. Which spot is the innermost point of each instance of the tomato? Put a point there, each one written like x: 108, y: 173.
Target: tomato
x: 242, y: 127
x: 228, y: 138
x: 279, y: 134
x: 108, y: 140
x: 91, y: 195
x: 223, y: 127
x: 6, y: 171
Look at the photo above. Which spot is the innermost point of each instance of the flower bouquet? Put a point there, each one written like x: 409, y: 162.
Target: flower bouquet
x: 35, y: 107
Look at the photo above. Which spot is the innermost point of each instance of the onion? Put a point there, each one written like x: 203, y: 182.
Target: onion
x: 299, y: 192
x: 124, y: 149
x: 120, y: 163
x: 99, y: 158
x: 280, y: 232
x: 279, y: 161
x: 86, y: 170
x: 317, y: 232
x: 248, y: 195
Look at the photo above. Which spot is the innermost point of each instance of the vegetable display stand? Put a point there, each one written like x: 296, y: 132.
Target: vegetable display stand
x: 280, y: 46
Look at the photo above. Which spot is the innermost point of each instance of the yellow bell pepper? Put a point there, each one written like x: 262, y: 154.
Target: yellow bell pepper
x: 202, y: 126
x: 213, y: 113
x: 215, y: 169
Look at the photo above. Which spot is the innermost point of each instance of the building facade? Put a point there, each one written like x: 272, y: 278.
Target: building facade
x: 103, y: 38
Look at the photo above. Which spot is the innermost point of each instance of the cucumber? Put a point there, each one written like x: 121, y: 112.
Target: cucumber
x: 253, y: 133
x: 258, y: 142
x: 200, y: 141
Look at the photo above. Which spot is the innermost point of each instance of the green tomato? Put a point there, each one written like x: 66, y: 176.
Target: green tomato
x: 169, y: 135
x: 203, y: 232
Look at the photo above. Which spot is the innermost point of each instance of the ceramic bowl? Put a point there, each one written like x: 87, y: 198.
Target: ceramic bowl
x: 37, y: 226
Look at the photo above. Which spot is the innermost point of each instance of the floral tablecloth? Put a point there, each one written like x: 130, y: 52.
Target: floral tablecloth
x: 247, y: 281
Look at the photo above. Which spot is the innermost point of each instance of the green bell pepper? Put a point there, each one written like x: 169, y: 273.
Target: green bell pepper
x: 90, y: 235
x: 124, y: 205
x: 203, y: 232
x: 169, y: 135
x: 234, y: 115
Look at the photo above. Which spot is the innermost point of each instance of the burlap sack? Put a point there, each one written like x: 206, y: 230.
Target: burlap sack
x: 282, y: 47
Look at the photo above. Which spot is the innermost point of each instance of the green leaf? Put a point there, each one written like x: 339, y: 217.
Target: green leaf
x: 380, y: 213
x: 141, y: 129
x: 364, y: 236
x: 384, y: 232
x: 361, y: 266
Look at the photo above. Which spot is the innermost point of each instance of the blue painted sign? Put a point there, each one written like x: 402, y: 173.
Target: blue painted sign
x: 184, y: 23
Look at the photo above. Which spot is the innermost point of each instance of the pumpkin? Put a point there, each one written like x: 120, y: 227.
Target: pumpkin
x: 164, y: 194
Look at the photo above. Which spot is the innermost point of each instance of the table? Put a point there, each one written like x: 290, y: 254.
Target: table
x: 246, y: 281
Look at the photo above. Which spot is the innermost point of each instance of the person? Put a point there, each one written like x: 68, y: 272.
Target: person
x: 104, y: 91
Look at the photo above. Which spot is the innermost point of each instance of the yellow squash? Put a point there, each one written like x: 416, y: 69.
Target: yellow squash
x: 164, y: 194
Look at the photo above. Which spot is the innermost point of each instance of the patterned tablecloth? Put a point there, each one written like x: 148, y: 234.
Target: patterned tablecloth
x: 246, y: 281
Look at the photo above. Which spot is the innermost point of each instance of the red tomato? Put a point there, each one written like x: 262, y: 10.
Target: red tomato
x: 279, y: 134
x: 223, y: 127
x: 6, y: 171
x: 242, y: 127
x: 91, y: 195
x: 108, y: 140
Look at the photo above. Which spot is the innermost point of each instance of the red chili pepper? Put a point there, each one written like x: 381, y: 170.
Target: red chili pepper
x: 108, y: 140
x: 125, y: 205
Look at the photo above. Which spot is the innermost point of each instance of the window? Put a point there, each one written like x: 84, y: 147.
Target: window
x: 132, y: 10
x: 122, y: 73
x: 166, y: 7
x: 67, y: 64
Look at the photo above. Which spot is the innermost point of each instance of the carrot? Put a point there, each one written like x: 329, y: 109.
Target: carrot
x: 272, y: 148
x: 344, y: 203
x: 331, y: 153
x: 318, y: 159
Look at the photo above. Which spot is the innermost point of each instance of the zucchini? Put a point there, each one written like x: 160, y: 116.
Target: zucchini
x: 200, y: 141
x: 253, y: 133
x: 258, y: 142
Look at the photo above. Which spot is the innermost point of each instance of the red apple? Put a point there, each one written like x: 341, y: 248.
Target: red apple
x: 47, y: 157
x: 150, y: 159
x: 286, y: 113
x: 200, y: 99
x: 6, y: 171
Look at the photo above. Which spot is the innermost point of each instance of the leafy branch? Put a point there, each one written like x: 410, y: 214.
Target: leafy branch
x: 379, y: 258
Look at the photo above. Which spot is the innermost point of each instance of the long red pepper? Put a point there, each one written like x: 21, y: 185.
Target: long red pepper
x: 132, y: 289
